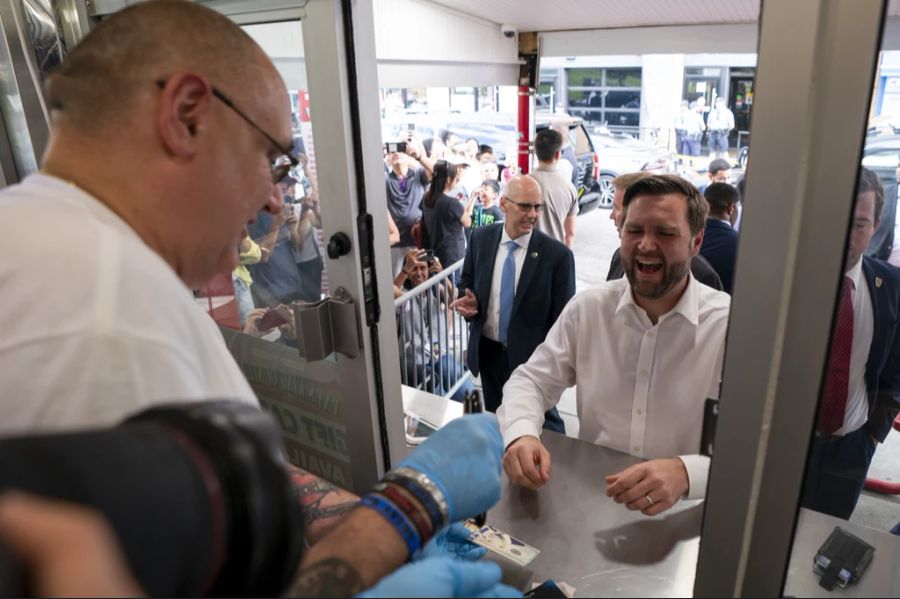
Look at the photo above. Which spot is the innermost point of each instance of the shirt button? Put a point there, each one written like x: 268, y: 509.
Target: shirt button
x: 637, y: 448
x: 638, y: 412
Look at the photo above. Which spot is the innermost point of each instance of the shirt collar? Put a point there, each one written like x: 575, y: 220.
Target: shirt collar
x: 522, y: 241
x: 687, y: 306
x: 855, y: 274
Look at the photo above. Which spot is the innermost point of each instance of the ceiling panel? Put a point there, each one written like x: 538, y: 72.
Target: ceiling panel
x: 552, y: 15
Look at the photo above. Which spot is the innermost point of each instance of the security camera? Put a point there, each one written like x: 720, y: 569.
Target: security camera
x: 508, y: 31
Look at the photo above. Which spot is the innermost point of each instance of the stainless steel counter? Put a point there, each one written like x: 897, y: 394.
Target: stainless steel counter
x: 881, y: 579
x: 589, y: 541
x: 604, y: 550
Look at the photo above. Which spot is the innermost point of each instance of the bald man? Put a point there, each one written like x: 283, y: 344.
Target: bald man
x: 516, y: 281
x: 161, y: 152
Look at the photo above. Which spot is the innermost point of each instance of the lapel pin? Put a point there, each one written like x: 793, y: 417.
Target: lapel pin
x: 534, y: 254
x: 878, y: 281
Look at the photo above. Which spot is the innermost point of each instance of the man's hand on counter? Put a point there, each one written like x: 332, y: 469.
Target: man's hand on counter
x: 651, y: 487
x: 527, y: 462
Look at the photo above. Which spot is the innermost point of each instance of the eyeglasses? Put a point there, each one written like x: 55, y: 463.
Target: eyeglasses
x: 282, y: 165
x: 525, y: 207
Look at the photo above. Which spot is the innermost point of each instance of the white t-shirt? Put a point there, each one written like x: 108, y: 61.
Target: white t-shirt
x: 95, y: 326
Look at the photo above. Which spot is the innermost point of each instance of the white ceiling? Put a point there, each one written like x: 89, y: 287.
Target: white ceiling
x: 559, y: 15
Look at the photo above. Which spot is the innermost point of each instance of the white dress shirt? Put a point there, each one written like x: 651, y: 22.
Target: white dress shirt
x: 491, y: 328
x: 640, y: 387
x: 863, y: 328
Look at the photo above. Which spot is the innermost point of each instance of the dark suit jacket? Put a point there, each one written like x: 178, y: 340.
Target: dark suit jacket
x: 700, y: 268
x: 883, y: 241
x: 883, y: 365
x: 720, y: 250
x: 546, y: 284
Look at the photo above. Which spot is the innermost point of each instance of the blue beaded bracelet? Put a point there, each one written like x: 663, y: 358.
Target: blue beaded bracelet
x: 397, y: 519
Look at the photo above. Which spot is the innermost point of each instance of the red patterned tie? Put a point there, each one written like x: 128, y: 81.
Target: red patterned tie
x: 837, y: 380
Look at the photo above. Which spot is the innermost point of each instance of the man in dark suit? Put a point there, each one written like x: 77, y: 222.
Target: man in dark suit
x: 516, y: 281
x: 700, y: 268
x: 720, y: 239
x: 883, y: 241
x: 861, y: 394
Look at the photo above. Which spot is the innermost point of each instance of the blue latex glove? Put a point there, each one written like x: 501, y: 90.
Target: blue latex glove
x: 453, y: 542
x: 464, y: 459
x: 443, y: 577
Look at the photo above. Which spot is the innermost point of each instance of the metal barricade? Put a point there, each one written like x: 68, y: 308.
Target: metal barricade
x: 432, y: 337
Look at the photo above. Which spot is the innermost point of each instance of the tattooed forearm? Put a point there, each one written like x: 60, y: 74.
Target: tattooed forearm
x: 331, y: 577
x: 323, y: 504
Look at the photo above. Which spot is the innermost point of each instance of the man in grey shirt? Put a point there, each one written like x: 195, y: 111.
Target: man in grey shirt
x: 560, y: 198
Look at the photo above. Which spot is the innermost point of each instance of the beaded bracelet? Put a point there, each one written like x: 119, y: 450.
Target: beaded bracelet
x: 410, y: 506
x: 397, y: 519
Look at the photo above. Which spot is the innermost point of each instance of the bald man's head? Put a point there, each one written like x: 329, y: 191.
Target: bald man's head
x: 521, y: 204
x: 201, y: 114
x: 523, y: 188
x: 96, y: 86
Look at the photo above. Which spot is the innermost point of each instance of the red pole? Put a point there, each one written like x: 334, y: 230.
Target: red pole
x: 524, y: 128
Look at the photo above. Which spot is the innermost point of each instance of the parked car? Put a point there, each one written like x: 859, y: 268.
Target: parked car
x: 624, y: 154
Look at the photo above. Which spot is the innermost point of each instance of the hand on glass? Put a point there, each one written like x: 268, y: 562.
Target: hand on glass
x: 467, y: 305
x: 527, y: 462
x: 651, y: 487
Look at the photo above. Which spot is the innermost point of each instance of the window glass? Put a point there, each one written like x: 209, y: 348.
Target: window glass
x: 852, y: 477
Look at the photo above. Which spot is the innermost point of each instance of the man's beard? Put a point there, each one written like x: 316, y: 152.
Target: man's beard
x: 673, y: 274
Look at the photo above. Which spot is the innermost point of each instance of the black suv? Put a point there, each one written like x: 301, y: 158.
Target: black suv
x: 586, y: 178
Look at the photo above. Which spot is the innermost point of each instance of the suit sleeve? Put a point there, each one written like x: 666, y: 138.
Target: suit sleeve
x: 467, y: 277
x: 887, y: 402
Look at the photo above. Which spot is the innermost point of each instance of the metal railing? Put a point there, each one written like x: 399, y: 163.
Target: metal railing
x: 432, y: 337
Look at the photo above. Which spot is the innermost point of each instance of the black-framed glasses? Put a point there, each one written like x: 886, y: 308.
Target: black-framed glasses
x: 526, y: 207
x: 282, y: 165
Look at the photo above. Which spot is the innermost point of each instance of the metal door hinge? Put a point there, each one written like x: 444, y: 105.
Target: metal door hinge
x: 327, y: 326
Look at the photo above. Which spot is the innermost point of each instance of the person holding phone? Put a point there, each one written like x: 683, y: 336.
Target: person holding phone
x: 406, y: 177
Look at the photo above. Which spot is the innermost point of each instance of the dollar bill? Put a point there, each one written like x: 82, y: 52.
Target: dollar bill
x: 502, y: 543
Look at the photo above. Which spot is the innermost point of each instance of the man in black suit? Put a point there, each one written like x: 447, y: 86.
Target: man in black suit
x: 516, y: 282
x: 720, y: 239
x: 700, y: 268
x: 861, y: 394
x: 883, y: 241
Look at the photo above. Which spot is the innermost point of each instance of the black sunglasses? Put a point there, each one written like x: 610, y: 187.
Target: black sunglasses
x: 284, y: 163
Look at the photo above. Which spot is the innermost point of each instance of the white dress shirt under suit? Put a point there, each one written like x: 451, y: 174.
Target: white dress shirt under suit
x: 863, y: 328
x: 641, y: 387
x: 492, y: 320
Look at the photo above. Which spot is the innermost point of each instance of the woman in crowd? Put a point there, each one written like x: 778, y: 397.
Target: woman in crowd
x: 446, y: 217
